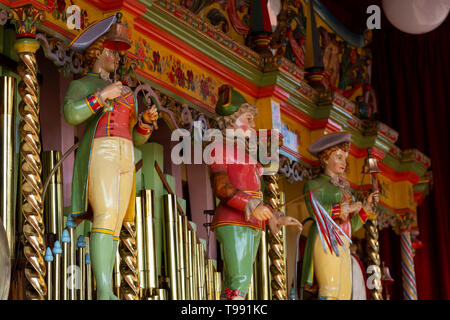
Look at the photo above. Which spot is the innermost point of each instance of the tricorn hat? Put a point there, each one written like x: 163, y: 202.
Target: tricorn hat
x: 328, y: 141
x: 229, y: 101
x: 92, y: 33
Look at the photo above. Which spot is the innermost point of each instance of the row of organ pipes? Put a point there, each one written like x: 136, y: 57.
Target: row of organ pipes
x: 187, y: 272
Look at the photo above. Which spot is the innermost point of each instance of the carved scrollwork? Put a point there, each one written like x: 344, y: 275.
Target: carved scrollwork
x: 55, y: 49
x: 293, y: 170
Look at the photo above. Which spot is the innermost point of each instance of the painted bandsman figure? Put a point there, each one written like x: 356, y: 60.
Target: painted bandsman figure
x: 241, y: 214
x: 104, y: 170
x: 335, y: 214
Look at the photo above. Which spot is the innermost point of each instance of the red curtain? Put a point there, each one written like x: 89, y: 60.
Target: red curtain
x: 411, y: 76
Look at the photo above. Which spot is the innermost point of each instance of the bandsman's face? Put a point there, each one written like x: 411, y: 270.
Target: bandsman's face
x: 337, y: 162
x: 110, y: 59
x: 245, y: 122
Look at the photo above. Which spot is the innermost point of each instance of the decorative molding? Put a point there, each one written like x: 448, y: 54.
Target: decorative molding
x: 208, y: 30
x: 55, y: 50
x: 293, y: 170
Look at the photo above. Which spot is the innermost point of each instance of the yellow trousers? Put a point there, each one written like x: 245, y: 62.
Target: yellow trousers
x: 110, y: 182
x: 333, y: 273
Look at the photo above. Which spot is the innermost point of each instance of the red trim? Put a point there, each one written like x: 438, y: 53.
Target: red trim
x: 363, y: 215
x: 183, y: 49
x: 58, y: 29
x: 132, y: 6
x: 395, y: 176
x: 20, y: 3
x: 273, y: 91
x: 362, y: 152
x: 142, y: 131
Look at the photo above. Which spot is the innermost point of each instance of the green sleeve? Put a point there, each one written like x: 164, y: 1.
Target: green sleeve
x: 356, y: 223
x: 310, y: 185
x: 138, y: 138
x: 75, y: 108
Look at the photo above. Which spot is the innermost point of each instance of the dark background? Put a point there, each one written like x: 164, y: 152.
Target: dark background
x: 411, y: 76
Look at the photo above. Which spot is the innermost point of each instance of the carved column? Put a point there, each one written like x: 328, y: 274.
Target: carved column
x: 276, y: 247
x: 31, y: 186
x: 408, y: 273
x: 128, y: 266
x: 373, y: 253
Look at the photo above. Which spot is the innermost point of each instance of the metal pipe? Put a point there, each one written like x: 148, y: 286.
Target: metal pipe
x: 170, y: 256
x: 81, y: 263
x: 210, y: 280
x: 181, y: 257
x: 188, y: 258
x: 140, y: 247
x: 48, y: 258
x: 194, y: 265
x: 151, y: 272
x: 71, y: 225
x: 65, y: 239
x: 53, y: 200
x: 8, y: 98
x: 202, y: 271
x: 57, y: 267
x: 87, y: 262
x: 217, y: 285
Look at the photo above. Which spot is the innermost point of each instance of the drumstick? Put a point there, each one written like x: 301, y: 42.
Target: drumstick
x: 296, y: 199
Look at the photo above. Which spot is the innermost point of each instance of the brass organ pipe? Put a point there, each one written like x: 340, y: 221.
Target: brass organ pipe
x: 178, y: 249
x: 65, y: 239
x: 8, y: 98
x: 170, y: 257
x: 71, y: 225
x: 201, y: 271
x: 151, y: 273
x: 81, y: 264
x: 210, y: 280
x: 140, y: 245
x: 48, y: 258
x: 181, y: 257
x: 57, y: 267
x: 190, y: 262
x: 87, y: 262
x: 251, y: 288
x: 217, y: 285
x: 194, y: 265
x: 53, y: 201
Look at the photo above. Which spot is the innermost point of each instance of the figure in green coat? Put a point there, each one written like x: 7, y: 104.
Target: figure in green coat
x: 104, y: 170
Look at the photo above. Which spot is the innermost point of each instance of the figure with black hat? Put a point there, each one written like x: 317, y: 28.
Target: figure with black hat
x: 104, y: 170
x: 241, y: 214
x: 327, y: 258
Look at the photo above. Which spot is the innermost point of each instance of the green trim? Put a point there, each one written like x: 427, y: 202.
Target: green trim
x: 210, y: 48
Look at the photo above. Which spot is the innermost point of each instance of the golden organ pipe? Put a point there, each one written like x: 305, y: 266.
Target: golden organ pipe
x: 217, y: 285
x: 57, y: 250
x: 190, y: 262
x: 170, y: 253
x: 48, y: 258
x: 210, y: 280
x: 65, y: 239
x: 8, y: 98
x: 263, y: 268
x: 181, y: 257
x: 140, y: 245
x: 87, y: 262
x: 151, y: 274
x: 53, y: 201
x: 81, y: 264
x: 201, y: 271
x: 194, y: 265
